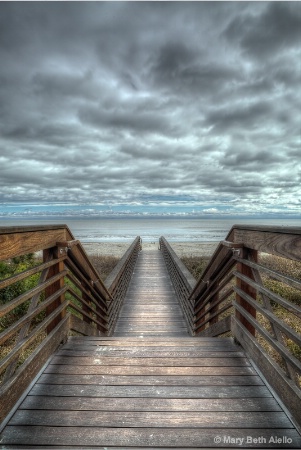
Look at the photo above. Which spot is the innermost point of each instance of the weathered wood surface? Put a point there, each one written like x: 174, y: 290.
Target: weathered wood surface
x: 150, y: 386
x: 11, y: 391
x: 150, y: 296
x: 162, y: 400
x: 279, y: 241
x: 22, y: 241
x: 166, y: 437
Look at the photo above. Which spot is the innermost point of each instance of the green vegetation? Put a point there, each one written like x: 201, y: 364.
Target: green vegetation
x: 8, y: 269
x: 195, y: 264
x: 14, y: 266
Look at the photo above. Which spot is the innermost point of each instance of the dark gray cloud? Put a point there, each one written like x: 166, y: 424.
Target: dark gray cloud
x: 270, y: 30
x: 127, y: 101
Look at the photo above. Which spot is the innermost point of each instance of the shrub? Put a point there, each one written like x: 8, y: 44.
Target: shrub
x: 195, y: 264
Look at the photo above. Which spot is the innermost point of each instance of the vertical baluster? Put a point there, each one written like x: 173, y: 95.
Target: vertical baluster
x: 216, y: 307
x: 56, y: 253
x: 245, y: 253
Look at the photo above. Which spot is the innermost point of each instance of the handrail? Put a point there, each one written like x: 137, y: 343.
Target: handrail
x: 118, y: 280
x: 43, y: 303
x: 239, y: 293
x: 182, y: 280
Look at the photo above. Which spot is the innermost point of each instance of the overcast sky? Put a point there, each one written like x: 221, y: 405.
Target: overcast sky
x: 194, y: 105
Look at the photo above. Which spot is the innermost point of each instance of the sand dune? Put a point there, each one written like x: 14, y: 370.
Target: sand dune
x: 181, y: 248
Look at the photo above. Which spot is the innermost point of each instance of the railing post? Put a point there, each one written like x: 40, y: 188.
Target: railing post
x: 215, y: 308
x: 86, y: 298
x: 48, y: 254
x: 245, y: 287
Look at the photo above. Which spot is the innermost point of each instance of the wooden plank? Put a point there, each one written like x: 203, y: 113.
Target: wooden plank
x: 161, y: 321
x: 151, y: 380
x: 150, y: 391
x: 149, y: 370
x: 109, y: 349
x: 150, y: 354
x: 111, y: 361
x: 150, y: 327
x: 153, y: 348
x: 150, y: 308
x: 146, y: 437
x: 149, y: 404
x: 142, y: 419
x: 282, y: 242
x: 23, y: 242
x: 166, y: 342
x: 150, y: 333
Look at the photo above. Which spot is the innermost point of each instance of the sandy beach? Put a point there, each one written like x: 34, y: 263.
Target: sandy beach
x: 117, y: 249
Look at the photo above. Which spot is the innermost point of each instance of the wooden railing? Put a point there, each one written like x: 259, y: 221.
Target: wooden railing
x: 60, y: 292
x: 118, y: 281
x: 250, y: 289
x: 182, y: 280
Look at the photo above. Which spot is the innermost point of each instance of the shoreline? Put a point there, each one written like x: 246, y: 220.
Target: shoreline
x: 183, y: 248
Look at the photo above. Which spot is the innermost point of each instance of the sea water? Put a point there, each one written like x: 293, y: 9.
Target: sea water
x: 149, y: 229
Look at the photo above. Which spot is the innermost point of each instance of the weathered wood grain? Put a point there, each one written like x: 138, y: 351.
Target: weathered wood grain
x: 155, y: 341
x: 151, y: 380
x: 125, y: 402
x: 23, y: 241
x: 149, y: 370
x: 167, y: 390
x: 149, y: 404
x: 140, y: 419
x: 152, y: 354
x: 150, y: 295
x: 146, y: 437
x: 279, y: 242
x: 152, y: 348
x: 111, y: 361
x: 150, y: 391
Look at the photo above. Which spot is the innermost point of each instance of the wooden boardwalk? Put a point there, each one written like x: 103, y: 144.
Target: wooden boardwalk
x: 150, y: 307
x: 150, y: 386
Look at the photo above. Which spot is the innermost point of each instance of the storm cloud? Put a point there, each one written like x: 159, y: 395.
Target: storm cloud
x: 151, y: 103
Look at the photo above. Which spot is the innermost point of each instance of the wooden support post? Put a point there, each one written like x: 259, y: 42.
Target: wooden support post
x: 51, y: 253
x: 247, y: 271
x: 215, y: 308
x: 85, y: 308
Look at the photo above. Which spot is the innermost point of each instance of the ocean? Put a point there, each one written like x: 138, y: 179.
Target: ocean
x: 149, y: 229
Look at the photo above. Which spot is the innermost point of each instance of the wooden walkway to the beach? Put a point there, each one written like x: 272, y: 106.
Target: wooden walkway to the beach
x: 150, y: 385
x: 150, y: 307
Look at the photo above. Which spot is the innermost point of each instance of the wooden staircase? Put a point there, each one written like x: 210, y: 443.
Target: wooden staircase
x: 150, y: 385
x: 147, y: 368
x: 150, y: 392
